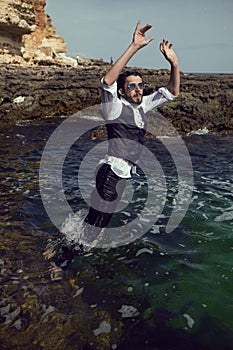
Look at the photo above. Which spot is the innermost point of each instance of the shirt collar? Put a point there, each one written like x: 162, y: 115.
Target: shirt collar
x: 127, y: 103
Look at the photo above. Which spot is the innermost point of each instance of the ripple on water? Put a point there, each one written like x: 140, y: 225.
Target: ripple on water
x: 168, y: 285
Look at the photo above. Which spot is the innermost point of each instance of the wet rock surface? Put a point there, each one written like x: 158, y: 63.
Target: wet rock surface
x: 39, y: 312
x: 205, y: 101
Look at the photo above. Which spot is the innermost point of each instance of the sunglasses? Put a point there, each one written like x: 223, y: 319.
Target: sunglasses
x: 132, y: 86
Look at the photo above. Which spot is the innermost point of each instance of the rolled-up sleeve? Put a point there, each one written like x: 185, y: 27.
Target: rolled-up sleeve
x: 111, y: 105
x: 157, y: 99
x: 166, y: 93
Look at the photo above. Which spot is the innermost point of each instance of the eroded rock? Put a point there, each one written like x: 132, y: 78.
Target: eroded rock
x: 27, y: 35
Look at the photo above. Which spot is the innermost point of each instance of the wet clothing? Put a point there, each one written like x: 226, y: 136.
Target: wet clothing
x: 126, y: 127
x: 133, y: 120
x: 121, y: 131
x: 106, y: 196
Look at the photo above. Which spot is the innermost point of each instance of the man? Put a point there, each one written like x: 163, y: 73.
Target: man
x: 124, y: 107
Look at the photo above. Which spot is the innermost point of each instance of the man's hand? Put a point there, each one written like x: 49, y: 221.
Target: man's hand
x: 168, y: 52
x: 139, y: 35
x: 137, y: 43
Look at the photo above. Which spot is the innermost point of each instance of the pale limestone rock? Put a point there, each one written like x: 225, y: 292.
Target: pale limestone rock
x: 15, y: 21
x: 27, y: 35
x: 66, y: 60
x: 17, y: 17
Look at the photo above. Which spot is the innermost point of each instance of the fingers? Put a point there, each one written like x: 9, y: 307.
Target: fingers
x: 138, y: 25
x: 164, y: 45
x: 164, y: 42
x: 161, y: 47
x: 149, y: 39
x: 145, y: 28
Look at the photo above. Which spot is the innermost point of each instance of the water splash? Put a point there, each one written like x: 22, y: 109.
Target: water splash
x: 73, y: 228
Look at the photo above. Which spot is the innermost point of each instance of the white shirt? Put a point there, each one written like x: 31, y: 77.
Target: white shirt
x: 111, y: 107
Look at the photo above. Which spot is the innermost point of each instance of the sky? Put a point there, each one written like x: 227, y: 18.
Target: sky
x: 201, y: 31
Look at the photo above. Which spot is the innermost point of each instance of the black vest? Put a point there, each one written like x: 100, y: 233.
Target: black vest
x: 121, y: 131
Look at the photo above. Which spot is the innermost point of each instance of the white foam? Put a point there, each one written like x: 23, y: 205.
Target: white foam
x: 72, y: 227
x: 128, y: 311
x: 203, y: 131
x: 104, y: 327
x: 226, y: 216
x: 190, y: 321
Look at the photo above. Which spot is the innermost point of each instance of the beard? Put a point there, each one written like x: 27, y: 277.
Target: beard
x: 136, y: 98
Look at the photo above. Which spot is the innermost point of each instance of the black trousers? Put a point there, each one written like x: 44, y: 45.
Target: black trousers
x: 105, y: 197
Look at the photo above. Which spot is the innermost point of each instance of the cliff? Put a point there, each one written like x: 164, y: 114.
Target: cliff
x: 27, y: 36
x: 205, y: 101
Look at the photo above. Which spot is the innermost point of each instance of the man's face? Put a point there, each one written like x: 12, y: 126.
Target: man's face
x: 132, y: 93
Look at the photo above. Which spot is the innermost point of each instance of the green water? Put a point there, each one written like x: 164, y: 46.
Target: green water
x: 164, y: 291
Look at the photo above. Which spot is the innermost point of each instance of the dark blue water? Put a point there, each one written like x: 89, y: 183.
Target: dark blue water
x: 162, y: 291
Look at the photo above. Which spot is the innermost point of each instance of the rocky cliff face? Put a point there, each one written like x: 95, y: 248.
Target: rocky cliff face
x: 27, y: 35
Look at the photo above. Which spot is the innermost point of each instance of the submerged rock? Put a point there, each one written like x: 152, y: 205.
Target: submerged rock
x: 40, y: 313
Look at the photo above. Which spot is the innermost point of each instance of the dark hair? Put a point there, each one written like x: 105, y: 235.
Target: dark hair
x: 122, y: 78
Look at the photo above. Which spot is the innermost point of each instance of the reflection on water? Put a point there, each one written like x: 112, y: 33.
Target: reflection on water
x: 165, y: 291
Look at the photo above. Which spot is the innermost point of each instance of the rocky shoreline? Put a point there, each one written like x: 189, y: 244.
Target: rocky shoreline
x: 206, y: 100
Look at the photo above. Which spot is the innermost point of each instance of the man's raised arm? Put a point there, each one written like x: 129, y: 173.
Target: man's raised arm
x: 174, y: 81
x: 138, y: 42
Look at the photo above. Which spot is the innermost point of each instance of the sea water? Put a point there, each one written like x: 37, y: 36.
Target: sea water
x: 165, y: 290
